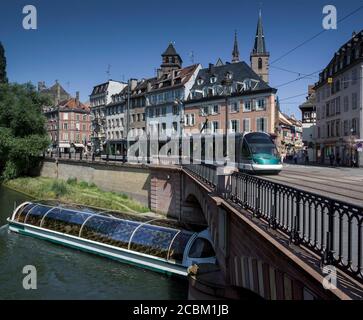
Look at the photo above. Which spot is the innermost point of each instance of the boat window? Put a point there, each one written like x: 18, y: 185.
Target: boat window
x: 21, y: 214
x: 65, y: 221
x: 201, y: 248
x: 108, y: 230
x: 153, y: 240
x: 177, y: 248
x: 34, y: 217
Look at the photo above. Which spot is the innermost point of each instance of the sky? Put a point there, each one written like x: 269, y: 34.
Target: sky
x: 77, y: 40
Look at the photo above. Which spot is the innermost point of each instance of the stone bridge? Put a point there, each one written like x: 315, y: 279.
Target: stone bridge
x: 253, y: 257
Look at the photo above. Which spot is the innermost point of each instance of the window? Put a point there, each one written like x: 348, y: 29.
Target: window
x: 234, y: 126
x: 84, y: 127
x: 337, y: 105
x: 355, y: 127
x: 259, y: 63
x: 163, y: 128
x: 192, y: 119
x: 354, y: 101
x: 201, y: 248
x: 346, y: 128
x: 65, y: 116
x: 77, y: 117
x: 215, y: 126
x: 200, y: 81
x: 346, y: 103
x: 163, y: 111
x: 213, y: 79
x: 65, y: 126
x: 346, y: 81
x: 246, y: 125
x: 157, y: 112
x: 247, y: 106
x: 261, y: 124
x: 175, y: 127
x: 175, y: 110
x: 234, y: 107
x: 215, y: 109
x: 261, y: 104
x: 84, y: 117
x: 337, y: 128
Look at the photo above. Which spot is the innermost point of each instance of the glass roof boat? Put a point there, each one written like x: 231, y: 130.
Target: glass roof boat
x: 158, y: 244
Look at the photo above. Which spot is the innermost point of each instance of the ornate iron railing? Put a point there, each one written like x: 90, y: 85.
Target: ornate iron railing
x: 330, y: 228
x: 207, y: 174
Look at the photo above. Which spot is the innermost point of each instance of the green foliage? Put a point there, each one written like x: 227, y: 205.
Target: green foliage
x: 3, y: 77
x: 70, y: 191
x: 59, y: 188
x: 22, y: 129
x: 72, y: 181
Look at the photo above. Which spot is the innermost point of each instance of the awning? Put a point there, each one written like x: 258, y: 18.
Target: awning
x: 78, y: 145
x: 64, y: 145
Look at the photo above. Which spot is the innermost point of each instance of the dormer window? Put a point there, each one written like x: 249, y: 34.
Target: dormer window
x: 229, y: 75
x: 213, y: 79
x: 200, y: 81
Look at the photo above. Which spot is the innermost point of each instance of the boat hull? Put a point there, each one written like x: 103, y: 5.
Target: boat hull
x: 100, y: 249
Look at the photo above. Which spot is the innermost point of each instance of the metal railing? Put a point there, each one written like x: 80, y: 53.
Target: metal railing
x: 207, y: 174
x: 330, y: 228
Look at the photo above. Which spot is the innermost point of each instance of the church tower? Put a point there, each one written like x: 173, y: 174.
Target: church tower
x: 171, y: 60
x: 260, y: 58
x: 235, y: 53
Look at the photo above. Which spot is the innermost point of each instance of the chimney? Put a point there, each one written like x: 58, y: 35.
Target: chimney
x: 77, y: 98
x: 133, y: 84
x: 210, y: 68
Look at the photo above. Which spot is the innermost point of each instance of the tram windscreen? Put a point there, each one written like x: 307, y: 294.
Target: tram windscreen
x: 261, y: 144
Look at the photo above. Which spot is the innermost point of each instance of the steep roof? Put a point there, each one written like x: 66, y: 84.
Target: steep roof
x: 170, y: 51
x: 174, y: 78
x: 240, y: 71
x: 73, y: 104
x: 260, y: 45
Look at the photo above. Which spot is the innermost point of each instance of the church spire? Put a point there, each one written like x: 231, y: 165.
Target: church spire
x: 235, y: 53
x: 260, y: 46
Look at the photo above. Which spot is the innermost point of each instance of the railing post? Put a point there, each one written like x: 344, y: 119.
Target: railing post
x: 295, y: 234
x: 273, y: 223
x: 257, y: 211
x: 330, y: 239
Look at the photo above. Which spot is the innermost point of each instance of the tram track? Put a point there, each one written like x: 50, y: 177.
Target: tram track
x: 331, y: 192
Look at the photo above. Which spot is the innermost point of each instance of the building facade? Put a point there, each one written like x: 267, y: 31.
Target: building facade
x: 69, y: 122
x: 244, y: 89
x: 100, y: 97
x: 339, y: 105
x: 164, y: 100
x: 308, y: 116
x: 289, y: 136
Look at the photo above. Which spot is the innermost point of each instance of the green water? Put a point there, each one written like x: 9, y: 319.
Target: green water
x: 65, y: 273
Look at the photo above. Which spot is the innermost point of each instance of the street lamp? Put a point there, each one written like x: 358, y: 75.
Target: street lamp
x: 227, y: 89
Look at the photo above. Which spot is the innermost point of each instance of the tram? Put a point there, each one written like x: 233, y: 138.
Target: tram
x: 162, y: 245
x: 253, y: 152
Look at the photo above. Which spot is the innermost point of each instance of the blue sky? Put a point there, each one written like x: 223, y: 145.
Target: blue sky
x: 76, y: 40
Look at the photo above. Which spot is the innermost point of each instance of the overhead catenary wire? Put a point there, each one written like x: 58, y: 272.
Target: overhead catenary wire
x: 315, y: 36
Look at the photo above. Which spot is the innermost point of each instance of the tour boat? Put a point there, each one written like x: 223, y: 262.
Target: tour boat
x: 158, y: 244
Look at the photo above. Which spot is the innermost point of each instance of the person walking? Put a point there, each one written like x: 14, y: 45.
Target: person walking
x: 338, y: 159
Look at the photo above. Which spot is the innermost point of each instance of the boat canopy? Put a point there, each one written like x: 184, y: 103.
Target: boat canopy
x: 161, y: 238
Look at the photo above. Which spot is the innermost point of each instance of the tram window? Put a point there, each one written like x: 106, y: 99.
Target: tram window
x: 245, y: 150
x: 201, y: 248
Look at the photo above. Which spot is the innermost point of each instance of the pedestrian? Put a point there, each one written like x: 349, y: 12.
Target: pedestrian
x: 331, y: 158
x: 354, y: 161
x: 295, y: 158
x: 338, y: 159
x: 306, y: 158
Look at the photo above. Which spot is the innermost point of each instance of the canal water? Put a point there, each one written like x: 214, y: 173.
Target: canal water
x: 65, y: 273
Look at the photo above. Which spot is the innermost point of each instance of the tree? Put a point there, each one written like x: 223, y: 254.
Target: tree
x: 22, y: 129
x: 3, y: 78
